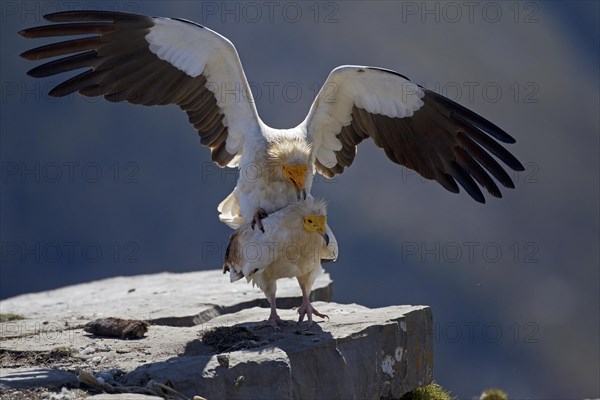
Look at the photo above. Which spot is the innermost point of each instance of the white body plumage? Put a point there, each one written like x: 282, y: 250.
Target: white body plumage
x: 285, y: 249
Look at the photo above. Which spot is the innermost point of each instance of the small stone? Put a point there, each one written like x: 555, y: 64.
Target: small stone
x: 223, y: 360
x: 102, y: 348
x: 117, y: 327
x: 87, y: 350
x: 239, y: 381
x: 105, y: 376
x: 304, y: 332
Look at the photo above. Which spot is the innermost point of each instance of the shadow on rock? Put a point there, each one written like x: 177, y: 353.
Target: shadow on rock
x: 222, y: 362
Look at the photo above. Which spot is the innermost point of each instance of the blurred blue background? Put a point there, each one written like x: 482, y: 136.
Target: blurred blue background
x: 92, y: 189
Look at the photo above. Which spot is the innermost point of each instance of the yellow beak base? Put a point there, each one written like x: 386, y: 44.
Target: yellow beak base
x: 315, y: 223
x: 296, y: 174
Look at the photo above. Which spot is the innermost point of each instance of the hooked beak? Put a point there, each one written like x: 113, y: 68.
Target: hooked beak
x: 317, y: 224
x: 300, y: 194
x: 326, y: 237
x: 296, y: 175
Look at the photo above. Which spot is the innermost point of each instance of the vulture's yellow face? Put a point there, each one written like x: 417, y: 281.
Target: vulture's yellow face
x: 296, y: 174
x: 316, y: 223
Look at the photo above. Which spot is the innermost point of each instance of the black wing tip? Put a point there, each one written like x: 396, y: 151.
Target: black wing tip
x: 57, y: 16
x: 187, y: 21
x: 63, y: 16
x: 30, y: 33
x: 91, y: 15
x: 470, y: 117
x: 484, y: 125
x: 32, y: 55
x: 494, y: 192
x: 36, y: 73
x: 502, y: 136
x: 480, y: 198
x: 389, y: 71
x: 518, y: 166
x: 475, y: 193
x: 466, y: 181
x: 512, y: 162
x: 27, y: 55
x: 509, y: 139
x: 56, y: 93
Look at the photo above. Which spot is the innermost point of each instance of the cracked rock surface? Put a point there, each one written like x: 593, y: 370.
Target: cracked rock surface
x: 207, y: 340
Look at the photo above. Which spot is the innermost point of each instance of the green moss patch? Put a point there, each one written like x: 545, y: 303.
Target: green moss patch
x: 10, y: 317
x: 493, y: 394
x: 428, y: 392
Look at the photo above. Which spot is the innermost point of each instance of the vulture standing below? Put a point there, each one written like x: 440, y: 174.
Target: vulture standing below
x: 293, y: 243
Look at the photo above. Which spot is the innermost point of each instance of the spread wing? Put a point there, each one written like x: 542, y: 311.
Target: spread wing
x: 154, y: 61
x: 416, y: 127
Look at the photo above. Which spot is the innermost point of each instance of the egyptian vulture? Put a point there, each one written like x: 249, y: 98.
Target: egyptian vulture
x: 293, y: 243
x: 156, y: 61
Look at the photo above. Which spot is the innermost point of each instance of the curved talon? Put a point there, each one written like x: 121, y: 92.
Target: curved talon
x: 306, y: 309
x: 318, y: 314
x: 259, y: 215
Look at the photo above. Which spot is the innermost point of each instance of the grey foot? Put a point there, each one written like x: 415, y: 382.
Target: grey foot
x: 307, y: 309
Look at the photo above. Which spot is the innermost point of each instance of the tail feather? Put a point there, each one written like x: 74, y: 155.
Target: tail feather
x: 234, y: 275
x: 231, y: 258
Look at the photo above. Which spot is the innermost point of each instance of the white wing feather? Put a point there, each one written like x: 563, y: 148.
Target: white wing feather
x: 376, y: 91
x: 197, y: 50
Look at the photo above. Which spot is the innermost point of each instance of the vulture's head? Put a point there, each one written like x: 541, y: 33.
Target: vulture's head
x: 313, y: 213
x: 288, y: 158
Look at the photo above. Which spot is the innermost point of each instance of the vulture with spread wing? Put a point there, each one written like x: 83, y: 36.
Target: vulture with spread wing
x: 157, y: 61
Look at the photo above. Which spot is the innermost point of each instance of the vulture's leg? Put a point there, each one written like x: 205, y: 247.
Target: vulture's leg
x: 274, y: 320
x: 306, y: 282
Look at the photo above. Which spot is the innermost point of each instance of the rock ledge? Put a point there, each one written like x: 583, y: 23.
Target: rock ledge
x: 359, y: 353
